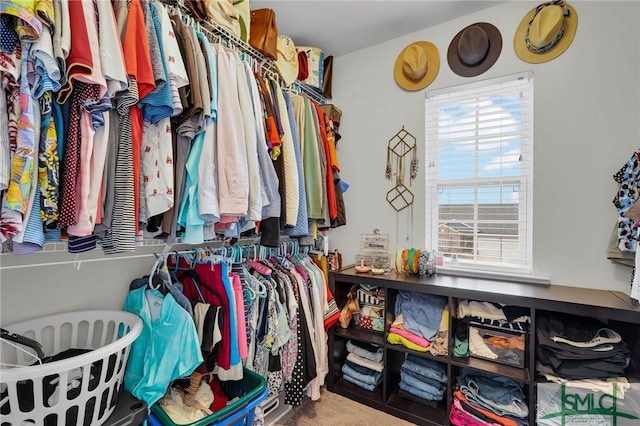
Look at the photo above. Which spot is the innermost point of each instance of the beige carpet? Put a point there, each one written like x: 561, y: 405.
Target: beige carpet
x: 335, y: 410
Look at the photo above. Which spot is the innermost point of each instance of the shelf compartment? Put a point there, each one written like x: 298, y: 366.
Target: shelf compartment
x: 515, y: 373
x: 360, y: 334
x: 348, y: 389
x: 406, y: 350
x: 436, y: 415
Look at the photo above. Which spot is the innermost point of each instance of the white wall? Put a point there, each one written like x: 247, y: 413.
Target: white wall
x: 587, y: 108
x: 43, y: 289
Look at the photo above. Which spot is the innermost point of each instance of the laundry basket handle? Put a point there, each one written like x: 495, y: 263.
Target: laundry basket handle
x: 20, y: 339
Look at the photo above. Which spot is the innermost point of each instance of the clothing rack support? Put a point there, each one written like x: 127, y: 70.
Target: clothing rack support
x: 213, y: 29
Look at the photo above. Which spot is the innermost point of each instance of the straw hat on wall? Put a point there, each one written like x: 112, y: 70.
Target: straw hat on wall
x: 417, y: 65
x: 545, y: 32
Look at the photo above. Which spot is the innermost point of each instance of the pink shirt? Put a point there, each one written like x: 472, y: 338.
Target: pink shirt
x: 241, y: 324
x: 418, y: 340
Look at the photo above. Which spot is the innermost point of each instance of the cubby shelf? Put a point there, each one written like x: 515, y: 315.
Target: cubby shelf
x: 613, y: 307
x: 360, y: 334
x: 406, y: 350
x: 515, y: 373
x: 352, y: 391
x: 435, y: 415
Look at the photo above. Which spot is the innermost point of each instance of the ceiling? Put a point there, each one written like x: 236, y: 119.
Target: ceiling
x: 341, y: 27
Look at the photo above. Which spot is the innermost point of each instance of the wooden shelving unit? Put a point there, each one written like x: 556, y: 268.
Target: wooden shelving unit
x: 613, y: 307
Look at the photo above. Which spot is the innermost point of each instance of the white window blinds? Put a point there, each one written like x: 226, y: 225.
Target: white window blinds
x: 479, y: 174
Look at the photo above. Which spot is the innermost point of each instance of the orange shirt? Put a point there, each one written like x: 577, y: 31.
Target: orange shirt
x: 138, y: 64
x: 331, y: 189
x: 332, y: 144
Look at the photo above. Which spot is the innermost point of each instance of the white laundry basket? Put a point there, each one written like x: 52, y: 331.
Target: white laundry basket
x: 33, y: 393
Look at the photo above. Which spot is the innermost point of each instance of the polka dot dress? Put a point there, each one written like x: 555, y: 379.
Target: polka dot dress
x: 8, y: 35
x: 294, y: 390
x: 68, y: 211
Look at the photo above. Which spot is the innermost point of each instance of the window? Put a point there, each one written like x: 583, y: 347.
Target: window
x: 479, y: 176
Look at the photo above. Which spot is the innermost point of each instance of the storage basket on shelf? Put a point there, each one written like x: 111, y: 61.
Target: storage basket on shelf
x: 250, y: 392
x: 85, y: 353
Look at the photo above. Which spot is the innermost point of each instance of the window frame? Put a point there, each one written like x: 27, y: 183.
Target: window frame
x: 523, y: 181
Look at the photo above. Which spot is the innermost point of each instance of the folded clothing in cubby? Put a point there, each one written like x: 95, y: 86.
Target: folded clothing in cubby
x: 423, y: 378
x: 363, y: 366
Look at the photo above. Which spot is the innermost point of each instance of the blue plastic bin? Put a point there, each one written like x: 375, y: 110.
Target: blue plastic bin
x: 243, y: 417
x: 251, y: 392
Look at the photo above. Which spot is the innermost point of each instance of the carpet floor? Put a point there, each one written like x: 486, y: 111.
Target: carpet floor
x: 335, y: 410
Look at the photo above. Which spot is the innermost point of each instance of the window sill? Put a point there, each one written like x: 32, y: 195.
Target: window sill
x: 503, y: 276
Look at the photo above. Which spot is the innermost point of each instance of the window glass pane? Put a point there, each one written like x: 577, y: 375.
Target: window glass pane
x: 499, y: 195
x: 478, y: 152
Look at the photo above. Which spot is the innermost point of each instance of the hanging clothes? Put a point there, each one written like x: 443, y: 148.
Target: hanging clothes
x: 289, y: 159
x: 123, y: 104
x: 154, y: 361
x: 627, y: 202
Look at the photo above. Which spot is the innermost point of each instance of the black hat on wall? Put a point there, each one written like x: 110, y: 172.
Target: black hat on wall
x: 474, y: 49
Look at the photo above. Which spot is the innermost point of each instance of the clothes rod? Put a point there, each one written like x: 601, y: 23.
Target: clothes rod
x: 77, y: 262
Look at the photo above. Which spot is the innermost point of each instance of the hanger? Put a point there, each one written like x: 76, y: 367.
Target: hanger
x: 155, y: 264
x: 291, y: 89
x: 236, y: 254
x: 249, y: 293
x: 249, y: 60
x: 195, y: 278
x: 176, y: 264
x: 159, y: 277
x: 260, y: 65
x: 171, y: 9
x: 191, y: 258
x: 261, y: 290
x: 260, y: 268
x: 255, y: 263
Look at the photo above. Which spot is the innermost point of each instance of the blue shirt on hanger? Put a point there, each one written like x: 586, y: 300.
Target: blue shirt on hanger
x: 167, y: 348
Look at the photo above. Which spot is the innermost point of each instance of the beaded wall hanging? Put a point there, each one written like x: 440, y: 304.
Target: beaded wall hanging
x: 399, y: 147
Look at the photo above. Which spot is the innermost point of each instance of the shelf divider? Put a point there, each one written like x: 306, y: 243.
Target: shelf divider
x: 515, y: 373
